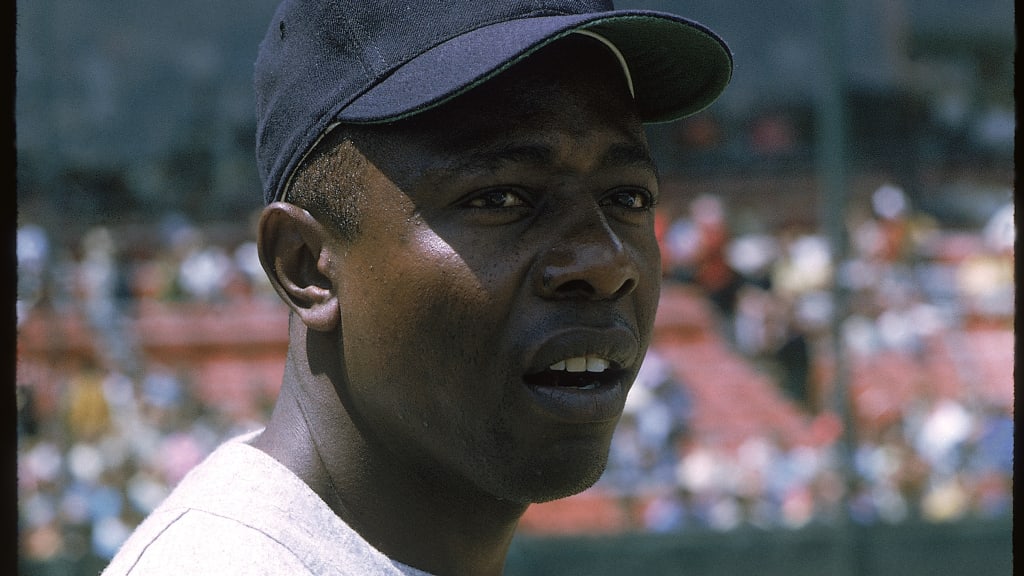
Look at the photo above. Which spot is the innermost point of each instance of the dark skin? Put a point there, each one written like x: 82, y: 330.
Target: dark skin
x: 500, y: 235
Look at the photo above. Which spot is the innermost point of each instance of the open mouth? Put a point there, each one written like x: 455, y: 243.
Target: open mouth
x: 580, y: 372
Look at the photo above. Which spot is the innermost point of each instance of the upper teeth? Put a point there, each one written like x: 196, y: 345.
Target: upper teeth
x: 581, y: 364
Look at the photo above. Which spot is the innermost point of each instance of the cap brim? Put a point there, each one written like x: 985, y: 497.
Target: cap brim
x: 678, y: 67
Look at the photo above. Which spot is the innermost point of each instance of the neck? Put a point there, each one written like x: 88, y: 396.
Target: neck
x: 418, y: 521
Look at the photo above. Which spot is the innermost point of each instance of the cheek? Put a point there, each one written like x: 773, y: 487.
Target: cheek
x: 420, y: 313
x: 434, y: 291
x: 423, y: 349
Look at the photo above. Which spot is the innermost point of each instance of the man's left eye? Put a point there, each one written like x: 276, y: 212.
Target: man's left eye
x: 497, y: 198
x: 630, y: 198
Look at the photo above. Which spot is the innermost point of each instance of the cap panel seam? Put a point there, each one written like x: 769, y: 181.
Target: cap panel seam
x: 351, y: 38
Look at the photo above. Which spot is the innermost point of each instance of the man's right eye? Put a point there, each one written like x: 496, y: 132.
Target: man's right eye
x: 496, y: 199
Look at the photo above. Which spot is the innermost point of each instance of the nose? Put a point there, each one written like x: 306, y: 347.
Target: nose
x: 588, y: 261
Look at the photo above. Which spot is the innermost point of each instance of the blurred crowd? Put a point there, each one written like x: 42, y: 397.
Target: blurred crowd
x: 940, y: 461
x: 940, y: 450
x: 109, y: 272
x: 94, y: 465
x: 103, y: 437
x: 105, y: 432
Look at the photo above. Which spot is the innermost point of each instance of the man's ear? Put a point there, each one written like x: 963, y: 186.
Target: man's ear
x: 295, y: 250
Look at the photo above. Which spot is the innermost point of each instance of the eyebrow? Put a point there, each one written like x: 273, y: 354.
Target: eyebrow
x: 629, y: 155
x: 617, y: 156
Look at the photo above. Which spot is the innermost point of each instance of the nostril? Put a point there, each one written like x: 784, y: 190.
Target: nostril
x: 581, y: 288
x: 575, y: 287
x: 587, y: 270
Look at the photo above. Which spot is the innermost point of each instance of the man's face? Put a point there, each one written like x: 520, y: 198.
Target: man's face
x: 505, y: 242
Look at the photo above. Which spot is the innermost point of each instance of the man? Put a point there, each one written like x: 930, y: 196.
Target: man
x: 460, y: 218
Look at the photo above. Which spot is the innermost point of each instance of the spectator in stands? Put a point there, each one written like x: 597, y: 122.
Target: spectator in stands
x: 697, y: 251
x: 460, y: 218
x: 794, y: 359
x: 32, y: 247
x: 712, y: 270
x: 88, y: 411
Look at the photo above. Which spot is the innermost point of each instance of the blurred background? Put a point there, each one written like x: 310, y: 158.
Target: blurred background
x: 830, y: 388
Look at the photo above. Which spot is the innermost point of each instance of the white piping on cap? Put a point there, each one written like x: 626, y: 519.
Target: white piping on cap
x: 615, y: 51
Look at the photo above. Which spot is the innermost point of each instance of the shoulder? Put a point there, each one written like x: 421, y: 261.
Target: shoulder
x: 199, y: 542
x: 221, y: 519
x: 241, y: 512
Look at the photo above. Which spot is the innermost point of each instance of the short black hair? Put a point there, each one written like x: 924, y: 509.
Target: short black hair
x: 329, y: 183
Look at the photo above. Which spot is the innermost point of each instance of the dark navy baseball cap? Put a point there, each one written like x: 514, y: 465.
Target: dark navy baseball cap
x: 329, y: 62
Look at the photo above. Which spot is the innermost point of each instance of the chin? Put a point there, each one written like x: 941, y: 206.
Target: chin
x: 563, y: 491
x: 554, y: 480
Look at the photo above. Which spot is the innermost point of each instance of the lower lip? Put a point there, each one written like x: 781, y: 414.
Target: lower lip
x: 579, y: 406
